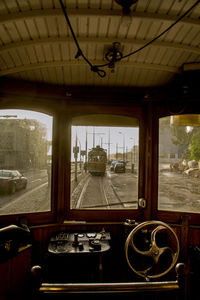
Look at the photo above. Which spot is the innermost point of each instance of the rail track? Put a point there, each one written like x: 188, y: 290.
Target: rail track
x: 97, y: 192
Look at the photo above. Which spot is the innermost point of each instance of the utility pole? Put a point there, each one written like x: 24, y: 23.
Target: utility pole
x: 75, y: 150
x: 86, y: 145
x: 123, y: 144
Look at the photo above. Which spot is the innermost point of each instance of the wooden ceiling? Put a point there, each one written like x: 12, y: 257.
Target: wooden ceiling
x: 37, y: 45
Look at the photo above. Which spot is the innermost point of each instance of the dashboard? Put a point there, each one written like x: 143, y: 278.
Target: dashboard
x: 79, y: 242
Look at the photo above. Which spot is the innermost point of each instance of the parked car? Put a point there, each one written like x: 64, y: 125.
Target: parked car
x: 11, y: 181
x: 119, y: 167
x: 112, y: 165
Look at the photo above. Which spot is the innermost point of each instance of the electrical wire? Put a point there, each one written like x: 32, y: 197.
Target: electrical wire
x: 95, y: 68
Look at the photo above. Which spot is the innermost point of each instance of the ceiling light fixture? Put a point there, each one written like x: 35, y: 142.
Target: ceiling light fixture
x: 126, y: 5
x: 126, y: 11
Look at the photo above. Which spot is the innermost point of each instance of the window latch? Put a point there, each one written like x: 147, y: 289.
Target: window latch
x: 142, y: 203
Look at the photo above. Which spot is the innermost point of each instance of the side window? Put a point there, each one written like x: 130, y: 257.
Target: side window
x: 25, y: 161
x: 104, y: 163
x: 179, y: 163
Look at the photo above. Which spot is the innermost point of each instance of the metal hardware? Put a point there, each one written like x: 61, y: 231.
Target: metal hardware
x: 142, y: 203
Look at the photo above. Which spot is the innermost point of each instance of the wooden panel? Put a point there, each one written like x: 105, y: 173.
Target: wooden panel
x: 51, y: 26
x: 56, y: 51
x: 21, y: 27
x: 31, y: 54
x: 37, y: 22
x: 3, y: 8
x: 24, y: 56
x: 12, y: 6
x: 82, y: 26
x: 40, y: 53
x: 5, y: 274
x: 32, y: 28
x: 93, y: 26
x: 5, y: 38
x: 63, y: 28
x: 41, y: 27
x: 113, y: 26
x: 7, y: 59
x: 143, y: 30
x: 20, y: 276
x: 3, y: 65
x: 165, y: 6
x: 47, y: 3
x: 103, y: 26
x: 172, y: 34
x: 48, y: 52
x: 12, y: 31
x: 15, y: 275
x: 177, y: 7
x: 35, y: 4
x: 15, y: 57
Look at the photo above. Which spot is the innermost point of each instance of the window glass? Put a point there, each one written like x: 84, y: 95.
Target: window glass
x: 104, y: 165
x: 25, y: 161
x: 179, y: 163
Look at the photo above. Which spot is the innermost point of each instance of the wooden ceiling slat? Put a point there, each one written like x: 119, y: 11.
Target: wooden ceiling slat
x: 8, y: 60
x: 15, y: 57
x: 40, y: 53
x: 35, y: 40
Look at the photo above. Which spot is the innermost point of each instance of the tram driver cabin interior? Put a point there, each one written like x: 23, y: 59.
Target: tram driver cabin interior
x: 99, y: 149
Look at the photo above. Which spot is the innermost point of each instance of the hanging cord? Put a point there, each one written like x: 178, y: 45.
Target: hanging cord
x: 95, y: 68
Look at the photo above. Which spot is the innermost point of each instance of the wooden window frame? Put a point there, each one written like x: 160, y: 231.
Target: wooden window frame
x: 170, y: 216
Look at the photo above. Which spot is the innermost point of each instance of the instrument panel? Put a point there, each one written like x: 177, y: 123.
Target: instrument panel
x: 79, y: 242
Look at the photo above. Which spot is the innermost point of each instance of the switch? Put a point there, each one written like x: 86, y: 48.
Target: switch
x: 75, y: 242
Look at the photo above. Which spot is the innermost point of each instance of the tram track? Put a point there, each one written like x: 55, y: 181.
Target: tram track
x: 97, y: 192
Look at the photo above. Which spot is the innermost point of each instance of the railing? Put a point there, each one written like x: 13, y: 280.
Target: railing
x: 109, y: 287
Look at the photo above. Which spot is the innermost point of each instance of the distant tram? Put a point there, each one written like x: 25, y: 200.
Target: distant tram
x: 97, y: 159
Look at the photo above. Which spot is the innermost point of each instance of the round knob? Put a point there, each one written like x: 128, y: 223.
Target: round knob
x: 96, y: 245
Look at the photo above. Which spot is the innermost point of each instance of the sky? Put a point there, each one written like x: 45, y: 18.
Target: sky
x: 118, y: 137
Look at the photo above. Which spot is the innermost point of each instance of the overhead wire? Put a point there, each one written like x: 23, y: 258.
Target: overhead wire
x: 95, y: 68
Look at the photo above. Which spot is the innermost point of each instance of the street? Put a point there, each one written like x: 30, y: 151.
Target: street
x: 176, y: 192
x: 36, y: 197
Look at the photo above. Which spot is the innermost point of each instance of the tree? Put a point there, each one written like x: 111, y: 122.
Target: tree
x: 195, y: 147
x: 182, y: 139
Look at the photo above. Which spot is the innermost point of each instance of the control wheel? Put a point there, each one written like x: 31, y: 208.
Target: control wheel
x: 152, y: 249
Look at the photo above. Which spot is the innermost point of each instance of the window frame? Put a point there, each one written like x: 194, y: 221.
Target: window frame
x: 170, y: 216
x: 38, y: 105
x: 111, y: 214
x: 61, y: 153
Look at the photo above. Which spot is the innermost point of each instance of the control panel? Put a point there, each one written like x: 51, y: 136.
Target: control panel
x: 79, y: 242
